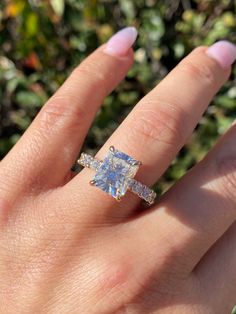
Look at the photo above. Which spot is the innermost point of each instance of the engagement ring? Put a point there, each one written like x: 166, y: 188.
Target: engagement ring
x: 115, y: 175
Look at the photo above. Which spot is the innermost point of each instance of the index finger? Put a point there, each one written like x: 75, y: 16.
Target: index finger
x: 54, y: 138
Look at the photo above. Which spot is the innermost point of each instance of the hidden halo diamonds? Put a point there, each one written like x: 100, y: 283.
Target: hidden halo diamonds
x: 115, y: 175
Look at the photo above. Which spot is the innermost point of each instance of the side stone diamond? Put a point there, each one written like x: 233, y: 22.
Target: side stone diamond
x: 142, y: 191
x: 86, y: 160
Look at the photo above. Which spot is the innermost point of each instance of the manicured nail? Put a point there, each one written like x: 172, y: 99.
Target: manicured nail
x: 224, y: 52
x: 119, y: 44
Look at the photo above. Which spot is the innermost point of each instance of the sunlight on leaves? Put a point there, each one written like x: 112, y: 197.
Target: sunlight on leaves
x: 58, y: 6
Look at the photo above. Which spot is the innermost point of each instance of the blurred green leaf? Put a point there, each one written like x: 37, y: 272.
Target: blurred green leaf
x: 58, y: 6
x: 32, y: 26
x: 128, y: 8
x: 28, y: 99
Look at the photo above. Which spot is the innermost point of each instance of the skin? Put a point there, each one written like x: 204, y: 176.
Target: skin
x: 67, y: 247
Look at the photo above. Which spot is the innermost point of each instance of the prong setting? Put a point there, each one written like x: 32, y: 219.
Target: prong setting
x: 112, y: 149
x: 118, y: 197
x: 137, y: 163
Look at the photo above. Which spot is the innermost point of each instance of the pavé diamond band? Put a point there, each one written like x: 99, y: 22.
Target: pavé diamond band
x: 115, y: 175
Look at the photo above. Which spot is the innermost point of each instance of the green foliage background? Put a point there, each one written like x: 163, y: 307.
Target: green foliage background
x: 42, y: 41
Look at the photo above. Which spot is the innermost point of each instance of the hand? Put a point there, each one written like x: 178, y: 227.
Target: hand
x: 68, y: 247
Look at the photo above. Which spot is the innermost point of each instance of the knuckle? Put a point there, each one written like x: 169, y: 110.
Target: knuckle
x: 59, y: 110
x: 203, y: 72
x: 162, y: 125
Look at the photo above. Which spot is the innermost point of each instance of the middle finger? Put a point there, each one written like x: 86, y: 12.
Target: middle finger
x: 160, y: 123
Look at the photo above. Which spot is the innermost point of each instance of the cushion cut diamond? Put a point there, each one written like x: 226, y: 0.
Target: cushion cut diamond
x: 114, y: 173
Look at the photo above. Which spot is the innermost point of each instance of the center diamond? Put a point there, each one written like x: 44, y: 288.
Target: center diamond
x: 114, y: 173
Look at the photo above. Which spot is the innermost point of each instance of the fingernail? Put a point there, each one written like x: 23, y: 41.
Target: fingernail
x: 119, y: 44
x: 224, y: 52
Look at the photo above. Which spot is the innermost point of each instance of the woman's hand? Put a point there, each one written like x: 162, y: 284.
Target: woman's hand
x: 68, y: 247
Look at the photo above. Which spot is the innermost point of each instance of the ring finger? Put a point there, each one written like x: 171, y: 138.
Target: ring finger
x: 160, y: 123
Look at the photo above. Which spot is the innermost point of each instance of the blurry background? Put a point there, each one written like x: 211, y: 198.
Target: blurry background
x: 42, y: 41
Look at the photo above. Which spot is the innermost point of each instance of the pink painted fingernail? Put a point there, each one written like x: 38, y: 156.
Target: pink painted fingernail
x: 119, y: 44
x: 224, y: 52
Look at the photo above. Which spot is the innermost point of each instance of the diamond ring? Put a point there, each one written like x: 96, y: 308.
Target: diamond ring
x: 115, y: 175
